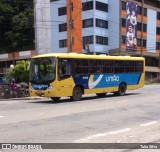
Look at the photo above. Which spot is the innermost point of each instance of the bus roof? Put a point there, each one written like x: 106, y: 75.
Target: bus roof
x: 87, y: 56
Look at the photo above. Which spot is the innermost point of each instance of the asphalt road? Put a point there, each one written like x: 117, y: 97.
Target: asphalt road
x: 134, y: 118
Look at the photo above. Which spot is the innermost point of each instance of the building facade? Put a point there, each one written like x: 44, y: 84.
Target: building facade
x: 101, y: 26
x: 148, y: 34
x: 96, y: 26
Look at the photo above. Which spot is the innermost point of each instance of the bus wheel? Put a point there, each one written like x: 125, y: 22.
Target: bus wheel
x: 101, y: 94
x: 77, y: 94
x: 55, y: 98
x: 121, y: 90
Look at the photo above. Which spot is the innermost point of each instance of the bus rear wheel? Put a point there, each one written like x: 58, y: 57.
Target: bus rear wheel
x: 77, y: 94
x: 55, y: 98
x: 122, y: 90
x: 101, y: 94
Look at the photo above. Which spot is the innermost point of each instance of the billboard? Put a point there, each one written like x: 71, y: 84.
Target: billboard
x: 131, y: 26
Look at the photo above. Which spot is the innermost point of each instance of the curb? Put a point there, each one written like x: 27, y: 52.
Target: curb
x: 25, y: 98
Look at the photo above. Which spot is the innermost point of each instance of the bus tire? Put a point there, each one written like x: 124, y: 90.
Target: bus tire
x: 101, y: 94
x: 55, y: 98
x: 77, y: 94
x: 121, y: 90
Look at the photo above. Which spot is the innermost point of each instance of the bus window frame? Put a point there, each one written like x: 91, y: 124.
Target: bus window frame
x: 137, y: 66
x: 64, y: 76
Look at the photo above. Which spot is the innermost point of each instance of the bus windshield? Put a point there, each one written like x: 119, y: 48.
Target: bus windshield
x: 42, y: 70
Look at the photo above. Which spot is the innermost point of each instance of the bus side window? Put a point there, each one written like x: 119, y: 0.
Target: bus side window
x: 64, y: 69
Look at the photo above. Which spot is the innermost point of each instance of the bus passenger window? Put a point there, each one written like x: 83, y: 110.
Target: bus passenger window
x: 64, y: 69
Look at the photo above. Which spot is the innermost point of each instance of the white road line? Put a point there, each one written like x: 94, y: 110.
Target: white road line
x: 148, y: 124
x: 119, y: 131
x: 102, y: 135
x: 92, y: 137
x: 1, y: 116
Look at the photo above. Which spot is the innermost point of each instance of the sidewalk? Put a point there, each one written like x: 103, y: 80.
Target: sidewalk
x: 26, y: 98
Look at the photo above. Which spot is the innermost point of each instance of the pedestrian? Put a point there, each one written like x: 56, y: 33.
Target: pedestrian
x: 13, y: 88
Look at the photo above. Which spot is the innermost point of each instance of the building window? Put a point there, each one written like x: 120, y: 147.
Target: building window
x: 145, y: 12
x: 139, y: 26
x: 101, y: 23
x: 123, y: 5
x: 138, y: 42
x: 123, y: 22
x: 139, y: 10
x: 144, y: 43
x: 88, y: 40
x: 123, y: 39
x: 88, y: 23
x: 87, y: 6
x: 62, y: 11
x: 158, y: 30
x: 157, y: 45
x: 158, y: 15
x: 63, y: 27
x: 144, y: 27
x: 101, y: 40
x: 62, y: 43
x: 101, y: 6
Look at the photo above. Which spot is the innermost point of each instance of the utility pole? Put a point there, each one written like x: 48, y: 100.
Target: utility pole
x: 142, y: 28
x: 71, y: 25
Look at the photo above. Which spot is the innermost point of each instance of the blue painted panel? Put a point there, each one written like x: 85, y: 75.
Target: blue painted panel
x: 106, y: 80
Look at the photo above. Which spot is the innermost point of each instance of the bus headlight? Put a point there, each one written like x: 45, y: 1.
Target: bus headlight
x: 50, y: 87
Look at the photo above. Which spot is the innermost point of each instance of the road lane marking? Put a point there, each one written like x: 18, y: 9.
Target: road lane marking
x: 92, y: 137
x: 102, y: 135
x: 148, y: 124
x: 1, y: 116
x: 119, y: 131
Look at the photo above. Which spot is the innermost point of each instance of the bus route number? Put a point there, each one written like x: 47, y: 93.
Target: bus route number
x: 85, y: 77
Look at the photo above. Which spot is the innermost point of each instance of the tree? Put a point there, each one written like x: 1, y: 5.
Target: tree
x: 20, y: 72
x: 16, y: 25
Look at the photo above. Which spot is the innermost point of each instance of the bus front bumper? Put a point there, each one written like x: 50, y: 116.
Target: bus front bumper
x: 43, y: 93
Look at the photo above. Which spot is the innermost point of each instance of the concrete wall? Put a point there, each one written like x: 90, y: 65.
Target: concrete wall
x: 101, y: 31
x: 90, y: 30
x: 114, y: 23
x: 55, y: 21
x: 151, y: 30
x: 42, y: 26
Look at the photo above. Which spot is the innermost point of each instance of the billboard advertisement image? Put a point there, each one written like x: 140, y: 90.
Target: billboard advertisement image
x: 131, y: 26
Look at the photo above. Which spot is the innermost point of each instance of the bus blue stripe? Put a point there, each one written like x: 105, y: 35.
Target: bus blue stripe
x: 107, y: 80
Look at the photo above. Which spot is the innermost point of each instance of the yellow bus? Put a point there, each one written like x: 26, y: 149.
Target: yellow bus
x: 69, y: 74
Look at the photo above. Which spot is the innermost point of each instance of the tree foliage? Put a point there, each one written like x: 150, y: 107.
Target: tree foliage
x: 16, y: 25
x: 20, y: 72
